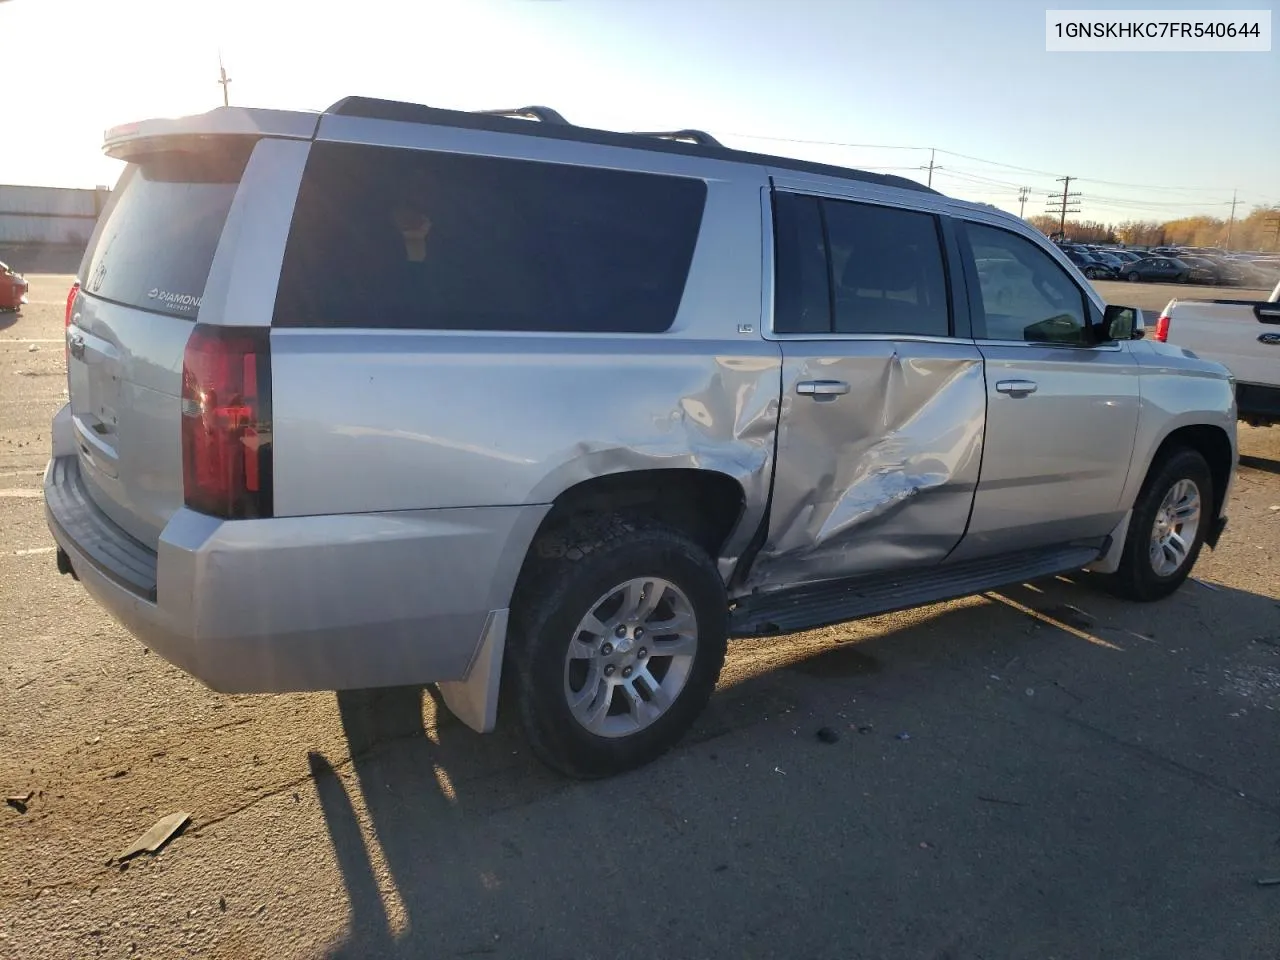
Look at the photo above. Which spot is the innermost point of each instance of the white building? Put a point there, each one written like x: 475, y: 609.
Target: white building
x: 49, y: 216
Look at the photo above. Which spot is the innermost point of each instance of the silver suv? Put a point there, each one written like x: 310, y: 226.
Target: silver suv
x: 395, y: 395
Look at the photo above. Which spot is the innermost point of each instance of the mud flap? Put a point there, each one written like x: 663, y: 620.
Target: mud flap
x: 64, y: 564
x: 1109, y: 562
x: 474, y: 700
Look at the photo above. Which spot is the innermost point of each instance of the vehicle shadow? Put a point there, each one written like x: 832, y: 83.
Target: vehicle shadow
x: 419, y: 773
x: 1265, y: 464
x: 9, y: 318
x: 435, y: 828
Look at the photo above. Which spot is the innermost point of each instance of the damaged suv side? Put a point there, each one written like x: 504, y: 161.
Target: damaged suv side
x: 443, y: 396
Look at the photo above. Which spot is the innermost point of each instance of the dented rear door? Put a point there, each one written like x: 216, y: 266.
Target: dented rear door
x: 879, y: 477
x: 883, y: 394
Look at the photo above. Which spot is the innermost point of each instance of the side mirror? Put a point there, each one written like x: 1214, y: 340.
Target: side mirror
x: 1119, y: 323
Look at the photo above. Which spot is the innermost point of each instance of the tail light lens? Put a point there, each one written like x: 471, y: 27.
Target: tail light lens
x: 226, y: 422
x: 1162, y: 328
x: 66, y: 323
x: 71, y: 301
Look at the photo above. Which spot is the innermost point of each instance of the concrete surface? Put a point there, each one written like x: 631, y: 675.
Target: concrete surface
x: 1041, y: 773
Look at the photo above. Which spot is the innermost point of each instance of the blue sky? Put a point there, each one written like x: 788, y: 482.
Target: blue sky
x: 1151, y: 135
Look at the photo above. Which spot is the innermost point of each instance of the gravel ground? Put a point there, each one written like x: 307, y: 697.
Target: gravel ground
x: 1043, y: 772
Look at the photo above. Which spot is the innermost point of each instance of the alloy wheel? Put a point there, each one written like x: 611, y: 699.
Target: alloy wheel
x: 630, y: 657
x: 1174, y: 531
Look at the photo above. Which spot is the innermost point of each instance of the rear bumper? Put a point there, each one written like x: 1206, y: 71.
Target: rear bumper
x: 300, y: 603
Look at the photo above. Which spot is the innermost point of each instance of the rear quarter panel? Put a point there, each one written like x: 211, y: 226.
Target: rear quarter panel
x: 384, y: 420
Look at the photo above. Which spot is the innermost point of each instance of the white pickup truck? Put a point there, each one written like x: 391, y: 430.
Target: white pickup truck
x: 1244, y: 336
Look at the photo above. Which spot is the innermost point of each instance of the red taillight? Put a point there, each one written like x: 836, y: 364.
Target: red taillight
x: 226, y: 422
x: 71, y: 301
x: 66, y: 325
x: 1162, y: 328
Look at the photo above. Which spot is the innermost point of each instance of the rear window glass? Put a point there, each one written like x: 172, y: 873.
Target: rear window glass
x: 420, y: 240
x: 802, y: 300
x: 887, y: 270
x: 159, y: 236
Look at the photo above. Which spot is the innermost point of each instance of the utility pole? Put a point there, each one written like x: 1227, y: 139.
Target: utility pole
x: 1062, y: 205
x: 1232, y: 222
x: 932, y: 166
x: 1274, y: 221
x: 224, y: 82
x: 1024, y: 193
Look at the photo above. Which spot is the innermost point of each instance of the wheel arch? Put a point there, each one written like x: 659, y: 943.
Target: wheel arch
x: 706, y: 504
x: 1209, y: 440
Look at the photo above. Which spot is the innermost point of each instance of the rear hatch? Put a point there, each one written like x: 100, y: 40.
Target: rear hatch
x: 141, y: 285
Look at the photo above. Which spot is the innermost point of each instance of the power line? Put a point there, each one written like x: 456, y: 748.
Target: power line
x: 973, y: 185
x: 1147, y: 186
x: 997, y: 163
x: 1159, y: 204
x: 1102, y: 199
x: 974, y: 175
x: 967, y: 156
x: 1047, y: 173
x: 821, y: 143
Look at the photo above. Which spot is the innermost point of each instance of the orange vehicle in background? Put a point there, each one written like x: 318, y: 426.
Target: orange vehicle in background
x: 13, y: 288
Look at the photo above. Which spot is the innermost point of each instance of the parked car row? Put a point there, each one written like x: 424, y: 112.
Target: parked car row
x: 1171, y: 265
x: 1235, y: 269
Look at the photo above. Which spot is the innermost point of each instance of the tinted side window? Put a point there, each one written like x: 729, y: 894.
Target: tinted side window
x: 157, y: 242
x: 1025, y: 294
x: 802, y: 297
x: 420, y: 240
x: 887, y: 272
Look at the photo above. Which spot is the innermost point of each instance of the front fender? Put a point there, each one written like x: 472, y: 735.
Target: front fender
x: 1178, y: 390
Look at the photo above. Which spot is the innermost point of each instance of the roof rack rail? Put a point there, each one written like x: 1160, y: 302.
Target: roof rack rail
x: 700, y: 137
x: 684, y: 142
x: 543, y: 114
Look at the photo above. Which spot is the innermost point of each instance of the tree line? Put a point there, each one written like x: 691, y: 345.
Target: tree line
x: 1260, y: 230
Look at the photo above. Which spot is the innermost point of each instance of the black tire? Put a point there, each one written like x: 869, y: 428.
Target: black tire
x: 1132, y: 276
x: 1137, y: 579
x: 569, y: 570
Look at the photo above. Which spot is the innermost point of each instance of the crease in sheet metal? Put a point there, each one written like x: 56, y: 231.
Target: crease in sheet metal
x: 882, y: 476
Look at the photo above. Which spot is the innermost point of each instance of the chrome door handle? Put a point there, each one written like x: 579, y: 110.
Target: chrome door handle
x: 822, y: 388
x: 1016, y: 388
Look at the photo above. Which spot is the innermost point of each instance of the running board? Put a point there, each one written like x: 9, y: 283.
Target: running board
x: 822, y: 604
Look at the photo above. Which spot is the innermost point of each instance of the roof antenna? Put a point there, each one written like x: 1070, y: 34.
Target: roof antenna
x: 225, y: 81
